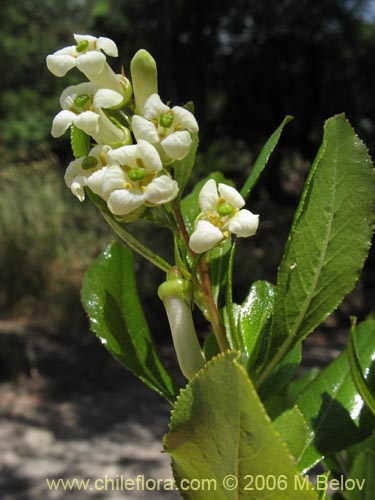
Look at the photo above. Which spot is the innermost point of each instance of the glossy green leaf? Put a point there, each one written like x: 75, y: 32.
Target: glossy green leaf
x: 292, y: 429
x: 301, y: 384
x: 255, y: 322
x: 329, y: 239
x: 219, y: 264
x: 219, y: 428
x: 331, y: 404
x: 182, y: 168
x: 361, y: 479
x: 110, y: 298
x: 79, y: 141
x: 210, y: 346
x: 357, y: 374
x: 263, y: 158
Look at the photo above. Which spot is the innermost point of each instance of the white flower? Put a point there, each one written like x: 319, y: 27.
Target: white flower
x: 87, y: 55
x: 132, y: 179
x: 221, y: 215
x: 159, y: 124
x: 79, y: 171
x: 82, y: 106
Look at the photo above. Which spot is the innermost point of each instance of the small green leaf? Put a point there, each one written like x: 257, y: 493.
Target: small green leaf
x: 210, y: 347
x: 110, y: 298
x: 329, y: 239
x: 255, y: 322
x: 292, y: 429
x: 356, y: 370
x: 80, y: 142
x: 220, y: 431
x: 219, y: 262
x: 182, y: 168
x: 331, y: 404
x: 263, y: 158
x: 298, y: 386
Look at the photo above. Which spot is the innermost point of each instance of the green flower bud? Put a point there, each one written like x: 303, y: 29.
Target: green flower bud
x: 224, y: 209
x: 144, y: 77
x: 81, y: 100
x: 137, y: 174
x: 82, y: 46
x: 89, y: 162
x: 166, y: 120
x: 176, y: 296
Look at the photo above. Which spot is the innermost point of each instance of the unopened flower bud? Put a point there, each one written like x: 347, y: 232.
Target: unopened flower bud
x: 176, y: 296
x: 144, y: 77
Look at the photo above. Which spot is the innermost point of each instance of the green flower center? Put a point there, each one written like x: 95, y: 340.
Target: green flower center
x: 137, y: 174
x: 166, y: 120
x: 82, y: 46
x: 81, y: 100
x: 225, y: 209
x: 89, y: 162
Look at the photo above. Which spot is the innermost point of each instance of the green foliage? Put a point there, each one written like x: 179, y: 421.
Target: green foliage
x: 263, y: 158
x: 110, y: 298
x: 255, y: 322
x: 80, y: 142
x: 182, y: 168
x: 219, y: 428
x: 47, y: 238
x: 358, y: 377
x: 331, y: 406
x: 329, y: 239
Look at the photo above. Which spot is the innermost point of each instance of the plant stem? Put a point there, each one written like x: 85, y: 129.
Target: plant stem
x: 217, y: 325
x: 181, y: 225
x: 133, y: 243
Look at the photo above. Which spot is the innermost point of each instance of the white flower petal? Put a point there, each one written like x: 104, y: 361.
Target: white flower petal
x: 208, y: 197
x: 154, y: 107
x: 72, y: 170
x: 205, y: 236
x: 123, y: 201
x: 144, y: 130
x: 161, y: 190
x: 243, y: 223
x: 231, y: 196
x: 106, y: 180
x: 150, y: 156
x: 70, y: 93
x: 62, y: 122
x: 77, y: 187
x: 183, y: 118
x: 89, y: 38
x: 125, y: 155
x: 91, y: 62
x: 88, y: 122
x: 105, y: 98
x: 59, y: 65
x: 107, y: 45
x: 177, y: 144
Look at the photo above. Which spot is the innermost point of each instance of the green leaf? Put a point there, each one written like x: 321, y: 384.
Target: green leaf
x: 219, y: 263
x: 255, y: 322
x: 292, y: 428
x: 329, y: 239
x: 80, y: 142
x: 362, y: 475
x: 219, y: 428
x: 331, y: 405
x: 298, y: 386
x: 263, y: 158
x: 210, y: 347
x: 357, y: 374
x: 182, y: 168
x: 110, y: 298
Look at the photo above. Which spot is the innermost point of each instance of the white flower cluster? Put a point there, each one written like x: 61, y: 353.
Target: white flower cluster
x: 135, y: 137
x: 127, y: 176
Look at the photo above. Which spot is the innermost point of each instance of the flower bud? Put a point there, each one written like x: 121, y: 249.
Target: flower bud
x: 144, y: 77
x: 176, y: 296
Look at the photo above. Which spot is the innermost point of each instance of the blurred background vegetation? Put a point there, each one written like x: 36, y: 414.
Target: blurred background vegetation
x: 245, y: 64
